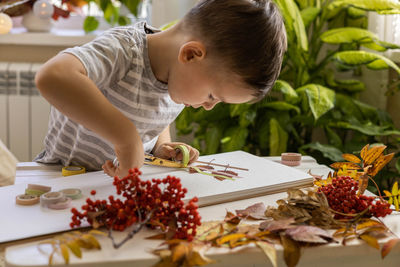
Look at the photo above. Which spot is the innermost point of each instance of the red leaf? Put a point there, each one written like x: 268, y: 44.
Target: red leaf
x: 256, y: 211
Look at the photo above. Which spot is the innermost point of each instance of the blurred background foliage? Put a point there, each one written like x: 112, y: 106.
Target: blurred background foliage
x: 314, y: 107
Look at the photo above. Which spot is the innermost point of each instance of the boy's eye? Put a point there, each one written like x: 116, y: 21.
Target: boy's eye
x: 210, y: 96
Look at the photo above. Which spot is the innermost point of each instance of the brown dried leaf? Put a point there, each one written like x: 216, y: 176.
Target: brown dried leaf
x: 387, y: 247
x: 276, y: 226
x: 269, y: 250
x: 232, y: 218
x: 380, y: 163
x: 291, y: 251
x: 347, y: 165
x: 255, y: 212
x: 370, y: 240
x: 362, y: 184
x: 372, y: 154
x: 351, y: 158
x: 310, y: 234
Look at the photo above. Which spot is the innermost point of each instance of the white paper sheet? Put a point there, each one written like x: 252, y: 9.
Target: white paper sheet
x: 264, y: 176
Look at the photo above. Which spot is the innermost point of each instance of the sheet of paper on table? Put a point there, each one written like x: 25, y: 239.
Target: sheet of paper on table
x: 264, y: 177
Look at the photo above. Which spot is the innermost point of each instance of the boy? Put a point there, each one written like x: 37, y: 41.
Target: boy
x: 117, y: 95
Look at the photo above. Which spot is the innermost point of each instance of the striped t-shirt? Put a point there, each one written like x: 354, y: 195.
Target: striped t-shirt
x: 118, y: 62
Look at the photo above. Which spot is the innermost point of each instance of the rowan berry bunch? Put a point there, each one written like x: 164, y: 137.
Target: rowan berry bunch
x: 342, y: 197
x: 157, y: 203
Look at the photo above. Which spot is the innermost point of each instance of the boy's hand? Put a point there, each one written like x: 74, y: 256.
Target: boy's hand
x: 168, y: 151
x: 129, y: 157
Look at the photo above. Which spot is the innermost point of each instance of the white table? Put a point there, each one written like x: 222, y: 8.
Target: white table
x: 136, y: 252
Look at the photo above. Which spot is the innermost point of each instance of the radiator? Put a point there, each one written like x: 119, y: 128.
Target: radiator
x: 24, y: 114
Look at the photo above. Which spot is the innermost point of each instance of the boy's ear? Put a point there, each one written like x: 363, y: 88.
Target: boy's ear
x: 191, y: 51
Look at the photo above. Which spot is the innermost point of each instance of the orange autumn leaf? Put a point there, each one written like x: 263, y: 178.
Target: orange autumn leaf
x: 380, y: 163
x: 370, y: 240
x: 367, y: 223
x: 351, y: 158
x: 364, y: 151
x: 372, y: 154
x: 230, y: 237
x: 387, y: 247
x: 179, y: 252
x: 347, y: 165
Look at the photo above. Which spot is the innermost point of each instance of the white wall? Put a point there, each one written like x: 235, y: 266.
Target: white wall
x: 165, y: 11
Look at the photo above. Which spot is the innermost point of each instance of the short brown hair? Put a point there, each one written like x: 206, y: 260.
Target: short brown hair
x: 249, y: 35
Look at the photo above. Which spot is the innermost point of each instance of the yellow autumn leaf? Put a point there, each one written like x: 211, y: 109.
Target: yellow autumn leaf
x: 395, y: 189
x: 291, y: 251
x: 75, y: 248
x: 351, y: 158
x: 367, y: 223
x: 396, y: 203
x: 97, y: 232
x: 380, y: 163
x: 364, y: 151
x: 372, y: 154
x: 92, y: 241
x: 239, y: 243
x: 388, y: 194
x: 347, y: 165
x: 370, y: 240
x: 179, y: 251
x: 230, y: 237
x: 196, y: 258
x: 64, y: 252
x: 269, y: 250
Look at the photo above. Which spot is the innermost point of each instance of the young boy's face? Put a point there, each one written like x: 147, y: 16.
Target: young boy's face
x: 199, y: 85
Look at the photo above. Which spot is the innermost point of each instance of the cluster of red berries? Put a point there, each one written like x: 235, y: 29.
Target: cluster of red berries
x: 342, y: 197
x: 159, y: 200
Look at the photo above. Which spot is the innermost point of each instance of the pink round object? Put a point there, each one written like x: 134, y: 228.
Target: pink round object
x: 288, y: 156
x: 291, y: 162
x: 63, y: 204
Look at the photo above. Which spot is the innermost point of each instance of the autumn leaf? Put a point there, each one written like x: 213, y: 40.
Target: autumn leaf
x: 179, y: 251
x: 387, y: 247
x: 291, y: 250
x: 347, y: 165
x: 380, y: 163
x: 228, y: 238
x: 351, y: 158
x: 74, y: 247
x: 372, y: 154
x: 232, y: 218
x: 255, y: 212
x: 395, y: 193
x: 196, y: 257
x: 367, y: 223
x: 388, y: 194
x: 275, y: 226
x: 310, y: 234
x: 362, y: 184
x: 370, y: 240
x: 364, y: 151
x: 269, y: 250
x: 64, y: 253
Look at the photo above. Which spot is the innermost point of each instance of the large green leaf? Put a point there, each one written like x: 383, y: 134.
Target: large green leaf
x: 333, y: 138
x: 371, y: 60
x: 288, y: 92
x: 278, y: 138
x: 213, y: 138
x: 380, y: 6
x: 236, y: 110
x: 247, y: 117
x: 263, y: 135
x: 280, y: 105
x: 309, y: 14
x: 320, y: 99
x: 236, y: 137
x: 367, y: 128
x: 328, y: 151
x: 347, y: 35
x: 183, y: 122
x: 293, y: 22
x: 132, y: 5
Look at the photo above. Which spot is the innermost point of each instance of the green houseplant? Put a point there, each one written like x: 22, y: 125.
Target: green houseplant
x: 325, y: 38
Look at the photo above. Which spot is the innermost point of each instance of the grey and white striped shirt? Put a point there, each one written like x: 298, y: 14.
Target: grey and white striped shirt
x: 117, y: 61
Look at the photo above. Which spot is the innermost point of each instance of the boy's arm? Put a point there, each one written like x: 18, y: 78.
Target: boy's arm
x: 64, y: 83
x: 164, y: 148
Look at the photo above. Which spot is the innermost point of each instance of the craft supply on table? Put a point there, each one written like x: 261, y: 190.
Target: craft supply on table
x: 72, y: 170
x: 291, y: 159
x: 72, y: 193
x: 51, y: 198
x: 27, y: 200
x: 62, y: 204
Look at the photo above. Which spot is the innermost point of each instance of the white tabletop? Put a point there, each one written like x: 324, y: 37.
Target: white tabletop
x: 136, y: 252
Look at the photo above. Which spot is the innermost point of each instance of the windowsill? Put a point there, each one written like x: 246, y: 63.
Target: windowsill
x: 56, y: 37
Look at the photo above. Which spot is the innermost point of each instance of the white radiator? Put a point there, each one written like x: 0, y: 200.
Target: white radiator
x: 24, y: 114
